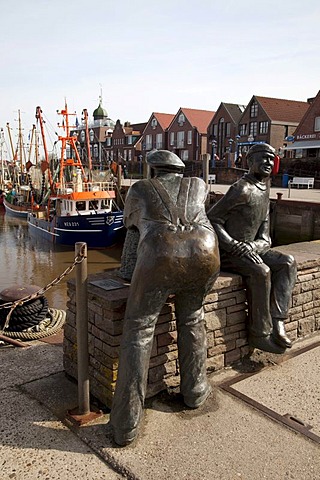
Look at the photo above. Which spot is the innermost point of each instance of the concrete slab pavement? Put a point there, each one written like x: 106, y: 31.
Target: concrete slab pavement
x: 295, y: 194
x: 225, y: 439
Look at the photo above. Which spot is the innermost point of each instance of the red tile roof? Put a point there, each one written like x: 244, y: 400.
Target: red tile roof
x: 164, y: 119
x: 198, y: 118
x: 278, y: 109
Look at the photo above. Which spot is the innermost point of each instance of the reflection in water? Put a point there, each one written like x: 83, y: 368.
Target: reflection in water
x: 25, y: 260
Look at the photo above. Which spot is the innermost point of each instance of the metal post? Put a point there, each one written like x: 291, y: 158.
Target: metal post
x: 205, y: 167
x: 82, y: 330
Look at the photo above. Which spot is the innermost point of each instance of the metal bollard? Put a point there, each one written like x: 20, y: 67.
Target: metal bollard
x: 82, y: 330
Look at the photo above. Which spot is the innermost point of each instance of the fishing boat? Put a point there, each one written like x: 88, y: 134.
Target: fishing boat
x: 21, y: 190
x: 79, y: 208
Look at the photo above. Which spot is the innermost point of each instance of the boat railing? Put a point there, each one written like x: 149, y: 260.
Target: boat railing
x: 85, y: 187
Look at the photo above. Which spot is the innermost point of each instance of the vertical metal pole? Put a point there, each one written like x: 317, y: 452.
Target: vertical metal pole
x: 205, y: 167
x: 82, y: 330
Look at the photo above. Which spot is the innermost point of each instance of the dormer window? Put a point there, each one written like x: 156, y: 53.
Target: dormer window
x: 254, y: 110
x: 181, y: 119
x: 154, y: 123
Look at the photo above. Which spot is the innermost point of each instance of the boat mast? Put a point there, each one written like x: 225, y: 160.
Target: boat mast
x: 44, y: 142
x: 20, y: 143
x: 10, y: 139
x: 1, y: 158
x: 85, y: 115
x: 67, y: 140
x: 31, y: 142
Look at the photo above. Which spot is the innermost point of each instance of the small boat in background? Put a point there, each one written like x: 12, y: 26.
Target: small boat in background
x: 23, y: 183
x: 17, y: 203
x: 79, y: 208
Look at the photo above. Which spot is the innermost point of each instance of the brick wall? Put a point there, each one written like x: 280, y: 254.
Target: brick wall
x: 225, y: 317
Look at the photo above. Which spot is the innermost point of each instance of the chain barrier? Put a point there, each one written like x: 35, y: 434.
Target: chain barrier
x: 12, y: 305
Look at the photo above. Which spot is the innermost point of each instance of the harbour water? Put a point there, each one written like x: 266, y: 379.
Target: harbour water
x: 27, y: 261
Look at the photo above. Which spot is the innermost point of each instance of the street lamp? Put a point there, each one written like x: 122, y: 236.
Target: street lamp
x: 230, y: 150
x: 238, y: 137
x: 213, y: 158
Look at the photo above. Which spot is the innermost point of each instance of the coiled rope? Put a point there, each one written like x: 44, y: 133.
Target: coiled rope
x: 49, y: 320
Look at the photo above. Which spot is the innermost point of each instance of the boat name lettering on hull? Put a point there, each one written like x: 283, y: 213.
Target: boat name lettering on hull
x: 71, y: 224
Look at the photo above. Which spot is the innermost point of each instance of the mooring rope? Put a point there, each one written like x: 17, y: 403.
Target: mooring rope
x: 54, y: 319
x: 12, y: 305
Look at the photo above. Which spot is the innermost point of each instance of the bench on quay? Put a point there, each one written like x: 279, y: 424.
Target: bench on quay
x: 301, y: 182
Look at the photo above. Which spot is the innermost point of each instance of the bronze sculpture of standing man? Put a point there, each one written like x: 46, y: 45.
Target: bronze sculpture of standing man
x: 241, y: 221
x: 177, y: 254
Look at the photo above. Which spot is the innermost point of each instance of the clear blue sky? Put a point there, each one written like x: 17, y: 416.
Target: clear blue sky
x: 150, y: 56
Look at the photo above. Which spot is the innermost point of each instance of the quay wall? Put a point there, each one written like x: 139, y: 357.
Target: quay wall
x: 294, y: 221
x: 225, y: 318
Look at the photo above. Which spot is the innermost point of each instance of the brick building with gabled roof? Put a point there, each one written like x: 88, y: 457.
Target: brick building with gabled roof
x: 223, y: 129
x: 302, y: 149
x: 187, y: 133
x: 155, y: 132
x: 269, y: 120
x: 125, y: 146
x: 307, y: 134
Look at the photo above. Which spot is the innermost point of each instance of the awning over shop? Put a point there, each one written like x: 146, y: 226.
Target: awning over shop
x: 303, y: 145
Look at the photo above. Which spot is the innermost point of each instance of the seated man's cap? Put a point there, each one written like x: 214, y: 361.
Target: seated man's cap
x: 164, y: 158
x: 260, y: 147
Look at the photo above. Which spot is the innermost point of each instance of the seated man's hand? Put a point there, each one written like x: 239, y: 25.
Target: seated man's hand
x: 245, y: 249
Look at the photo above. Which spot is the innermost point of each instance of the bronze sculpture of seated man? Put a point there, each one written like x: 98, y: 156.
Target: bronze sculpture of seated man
x: 241, y: 221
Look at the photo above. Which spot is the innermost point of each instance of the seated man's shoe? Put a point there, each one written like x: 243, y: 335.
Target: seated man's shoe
x: 267, y: 344
x: 124, y: 438
x: 279, y: 333
x: 197, y: 401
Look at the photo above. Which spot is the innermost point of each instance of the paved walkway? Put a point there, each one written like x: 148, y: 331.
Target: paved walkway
x: 227, y: 438
x: 298, y: 194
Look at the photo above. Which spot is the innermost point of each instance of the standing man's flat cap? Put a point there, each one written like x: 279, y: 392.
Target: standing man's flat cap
x: 164, y: 158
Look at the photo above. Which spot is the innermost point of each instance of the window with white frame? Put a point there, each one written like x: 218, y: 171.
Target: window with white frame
x: 181, y: 119
x: 154, y: 123
x: 228, y: 129
x: 129, y: 155
x: 125, y: 153
x: 189, y: 137
x: 317, y: 124
x: 108, y: 141
x: 95, y: 150
x: 184, y: 155
x: 243, y: 129
x: 263, y: 127
x: 148, y: 142
x: 159, y: 140
x: 254, y: 109
x: 180, y: 139
x: 172, y: 139
x: 253, y: 129
x: 129, y: 139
